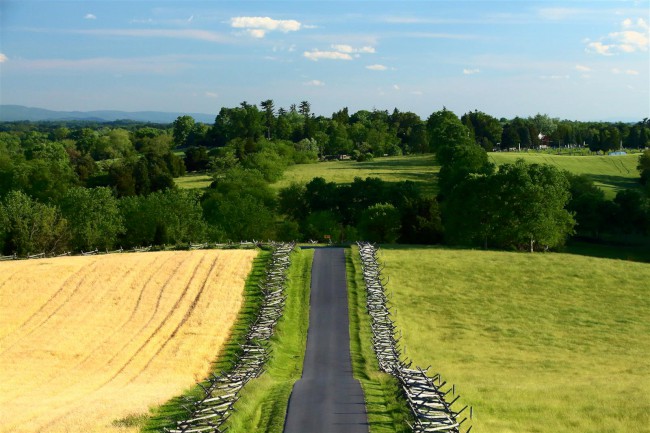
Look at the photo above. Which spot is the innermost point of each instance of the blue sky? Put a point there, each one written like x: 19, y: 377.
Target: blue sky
x: 572, y: 59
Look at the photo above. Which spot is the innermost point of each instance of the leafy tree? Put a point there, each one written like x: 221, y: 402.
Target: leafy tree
x: 486, y: 129
x: 592, y: 211
x: 544, y: 124
x: 94, y: 218
x: 32, y: 227
x: 183, y: 126
x: 532, y: 200
x: 644, y: 167
x: 172, y: 216
x: 380, y: 223
x: 458, y: 162
x: 631, y: 215
x: 196, y: 158
x: 444, y: 128
x: 521, y: 206
x: 322, y: 223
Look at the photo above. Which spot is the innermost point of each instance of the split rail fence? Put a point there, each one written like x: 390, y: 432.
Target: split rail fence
x: 210, y: 412
x: 429, y: 402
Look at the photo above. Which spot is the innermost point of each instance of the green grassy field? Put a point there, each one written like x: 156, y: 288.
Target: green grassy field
x: 611, y: 173
x: 193, y: 181
x: 421, y: 169
x: 534, y: 342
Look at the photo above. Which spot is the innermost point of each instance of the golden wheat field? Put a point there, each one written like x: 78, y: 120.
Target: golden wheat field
x: 85, y: 341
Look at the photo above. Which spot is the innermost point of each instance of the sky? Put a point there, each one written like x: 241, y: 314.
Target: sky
x: 578, y: 60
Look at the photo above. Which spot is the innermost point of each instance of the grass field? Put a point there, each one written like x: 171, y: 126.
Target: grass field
x: 534, y: 342
x: 611, y: 173
x: 88, y: 341
x: 421, y: 169
x: 193, y: 181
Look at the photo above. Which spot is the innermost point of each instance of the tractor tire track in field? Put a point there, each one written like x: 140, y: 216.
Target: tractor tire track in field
x: 56, y: 310
x: 171, y: 312
x: 187, y: 315
x: 121, y: 326
x: 160, y: 326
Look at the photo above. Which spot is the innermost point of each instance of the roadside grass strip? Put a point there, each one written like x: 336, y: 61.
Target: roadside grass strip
x: 218, y: 394
x: 431, y: 405
x: 386, y: 407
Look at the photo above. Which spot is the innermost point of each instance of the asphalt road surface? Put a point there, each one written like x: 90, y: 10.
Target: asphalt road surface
x: 327, y: 399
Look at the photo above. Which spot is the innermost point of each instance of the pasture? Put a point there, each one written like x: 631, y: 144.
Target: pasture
x: 421, y: 169
x: 534, y: 342
x: 610, y: 173
x: 193, y: 181
x: 89, y: 342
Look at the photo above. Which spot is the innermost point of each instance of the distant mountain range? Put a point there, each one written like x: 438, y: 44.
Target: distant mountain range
x: 12, y: 113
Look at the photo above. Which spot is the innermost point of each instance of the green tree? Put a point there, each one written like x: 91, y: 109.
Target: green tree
x: 445, y: 129
x: 172, y: 216
x: 32, y: 227
x: 531, y: 203
x: 644, y: 167
x: 458, y: 162
x: 380, y: 223
x: 94, y: 218
x: 183, y: 126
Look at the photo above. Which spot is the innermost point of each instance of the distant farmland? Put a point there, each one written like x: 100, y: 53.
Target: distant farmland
x: 611, y: 173
x: 421, y: 169
x: 88, y: 341
x: 534, y: 342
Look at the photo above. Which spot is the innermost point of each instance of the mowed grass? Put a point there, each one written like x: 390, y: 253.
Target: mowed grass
x: 534, y: 342
x: 611, y: 173
x: 193, y: 181
x: 421, y: 169
x: 89, y: 344
x: 387, y: 409
x: 263, y: 403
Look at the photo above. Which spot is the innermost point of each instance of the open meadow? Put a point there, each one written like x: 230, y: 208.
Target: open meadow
x: 610, y: 173
x: 89, y: 343
x: 421, y: 169
x: 541, y: 343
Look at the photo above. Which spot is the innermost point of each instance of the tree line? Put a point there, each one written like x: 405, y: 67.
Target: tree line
x: 81, y: 186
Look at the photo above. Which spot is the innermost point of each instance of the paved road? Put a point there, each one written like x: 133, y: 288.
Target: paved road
x: 327, y: 399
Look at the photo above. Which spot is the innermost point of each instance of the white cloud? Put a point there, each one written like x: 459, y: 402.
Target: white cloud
x: 600, y: 48
x: 257, y: 33
x: 634, y: 37
x: 90, y: 17
x: 416, y: 92
x: 348, y: 49
x: 471, y: 71
x: 376, y: 67
x: 3, y: 58
x: 616, y: 71
x: 211, y: 94
x: 395, y: 86
x: 257, y: 27
x: 632, y: 72
x: 316, y: 55
x: 583, y: 68
x: 315, y: 83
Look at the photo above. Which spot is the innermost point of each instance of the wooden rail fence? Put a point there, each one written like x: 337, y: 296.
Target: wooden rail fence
x: 429, y: 402
x: 220, y: 392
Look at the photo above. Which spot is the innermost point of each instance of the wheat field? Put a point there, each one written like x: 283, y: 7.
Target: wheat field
x: 87, y: 341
